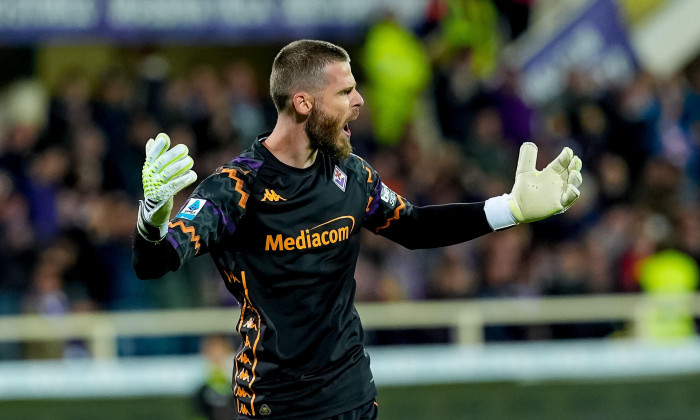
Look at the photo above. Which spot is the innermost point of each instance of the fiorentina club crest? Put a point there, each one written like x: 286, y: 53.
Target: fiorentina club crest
x: 340, y: 178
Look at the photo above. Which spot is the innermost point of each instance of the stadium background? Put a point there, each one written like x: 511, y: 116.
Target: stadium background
x: 452, y: 88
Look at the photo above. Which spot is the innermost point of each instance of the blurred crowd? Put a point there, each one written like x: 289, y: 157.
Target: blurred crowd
x: 70, y: 178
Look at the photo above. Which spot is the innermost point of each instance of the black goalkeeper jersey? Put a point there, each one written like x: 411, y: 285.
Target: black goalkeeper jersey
x: 286, y: 242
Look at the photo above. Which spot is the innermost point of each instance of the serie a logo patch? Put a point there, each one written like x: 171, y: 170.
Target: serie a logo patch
x: 388, y: 196
x: 191, y: 209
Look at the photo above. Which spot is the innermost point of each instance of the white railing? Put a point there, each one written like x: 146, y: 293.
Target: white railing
x: 467, y: 317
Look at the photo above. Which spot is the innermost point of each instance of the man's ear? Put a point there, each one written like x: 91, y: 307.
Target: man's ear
x: 303, y: 103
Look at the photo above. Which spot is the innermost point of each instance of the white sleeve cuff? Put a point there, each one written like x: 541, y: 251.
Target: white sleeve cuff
x: 498, y: 212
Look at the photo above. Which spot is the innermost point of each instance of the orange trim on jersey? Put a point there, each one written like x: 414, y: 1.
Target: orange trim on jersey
x: 396, y: 214
x: 188, y: 229
x: 255, y: 344
x: 240, y: 322
x: 229, y: 277
x: 333, y: 220
x: 362, y: 161
x: 239, y: 185
x: 369, y: 178
x: 247, y: 304
x: 369, y: 202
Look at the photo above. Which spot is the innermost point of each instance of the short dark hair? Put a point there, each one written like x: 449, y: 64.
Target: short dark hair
x: 300, y: 66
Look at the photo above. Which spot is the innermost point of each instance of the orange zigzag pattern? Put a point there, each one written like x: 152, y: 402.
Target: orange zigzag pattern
x: 396, y: 214
x: 369, y: 178
x: 188, y: 229
x: 239, y: 186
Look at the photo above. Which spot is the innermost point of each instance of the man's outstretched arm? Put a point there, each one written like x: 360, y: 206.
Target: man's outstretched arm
x: 438, y: 226
x: 535, y: 195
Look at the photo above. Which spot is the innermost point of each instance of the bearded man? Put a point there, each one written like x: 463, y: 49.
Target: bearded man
x: 282, y: 223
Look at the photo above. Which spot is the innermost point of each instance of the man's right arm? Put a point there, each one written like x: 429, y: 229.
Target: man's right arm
x: 211, y: 212
x: 196, y: 228
x: 165, y: 172
x: 152, y: 260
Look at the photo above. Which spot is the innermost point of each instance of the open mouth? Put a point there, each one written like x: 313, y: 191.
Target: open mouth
x: 346, y: 129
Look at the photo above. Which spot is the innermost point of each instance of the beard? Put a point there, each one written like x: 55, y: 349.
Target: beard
x: 326, y: 135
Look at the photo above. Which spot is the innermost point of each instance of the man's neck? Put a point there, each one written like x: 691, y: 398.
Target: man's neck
x: 289, y: 143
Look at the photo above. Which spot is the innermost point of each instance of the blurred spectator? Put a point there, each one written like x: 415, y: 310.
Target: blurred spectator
x: 398, y: 71
x: 48, y: 298
x: 214, y: 399
x: 670, y: 277
x: 504, y: 253
x: 570, y: 274
x: 487, y: 147
x: 47, y: 173
x: 517, y: 116
x: 246, y: 109
x: 69, y: 109
x: 470, y: 25
x: 457, y: 93
x: 453, y: 276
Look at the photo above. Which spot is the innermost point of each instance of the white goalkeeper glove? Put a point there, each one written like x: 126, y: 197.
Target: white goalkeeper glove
x: 537, y: 194
x: 165, y: 173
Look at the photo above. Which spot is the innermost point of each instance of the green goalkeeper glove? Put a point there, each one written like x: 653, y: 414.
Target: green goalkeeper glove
x: 165, y: 173
x: 537, y: 194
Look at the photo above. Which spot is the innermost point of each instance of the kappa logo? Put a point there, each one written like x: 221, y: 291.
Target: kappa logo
x: 339, y: 178
x: 241, y: 393
x: 271, y: 195
x: 243, y: 358
x: 265, y: 410
x: 250, y: 324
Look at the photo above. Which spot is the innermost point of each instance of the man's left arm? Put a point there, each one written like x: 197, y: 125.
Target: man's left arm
x: 535, y: 195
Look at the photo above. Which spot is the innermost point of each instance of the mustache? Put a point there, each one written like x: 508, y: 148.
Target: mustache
x: 355, y: 114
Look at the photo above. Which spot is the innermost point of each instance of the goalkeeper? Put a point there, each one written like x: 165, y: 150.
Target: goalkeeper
x: 282, y: 221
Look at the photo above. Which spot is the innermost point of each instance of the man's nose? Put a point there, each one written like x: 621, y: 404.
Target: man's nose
x: 358, y: 101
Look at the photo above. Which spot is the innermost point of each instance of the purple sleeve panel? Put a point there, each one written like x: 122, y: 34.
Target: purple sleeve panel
x: 172, y: 240
x: 376, y: 197
x: 253, y: 164
x: 229, y: 225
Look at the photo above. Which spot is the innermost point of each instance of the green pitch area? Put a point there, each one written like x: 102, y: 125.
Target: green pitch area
x: 645, y: 398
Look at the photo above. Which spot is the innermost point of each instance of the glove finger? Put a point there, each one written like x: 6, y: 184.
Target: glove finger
x: 527, y: 158
x: 180, y: 182
x: 165, y: 138
x: 562, y: 161
x: 155, y: 148
x: 167, y: 158
x: 575, y: 179
x: 575, y: 164
x: 177, y: 168
x: 570, y: 195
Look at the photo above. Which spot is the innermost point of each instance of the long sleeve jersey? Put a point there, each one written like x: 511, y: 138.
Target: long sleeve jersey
x: 286, y: 241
